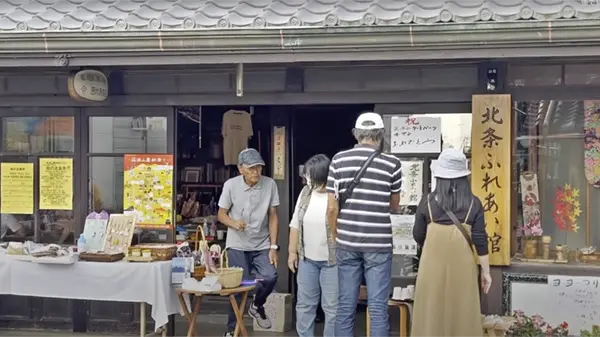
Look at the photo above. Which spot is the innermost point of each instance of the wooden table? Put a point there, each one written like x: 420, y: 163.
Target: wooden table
x: 238, y: 309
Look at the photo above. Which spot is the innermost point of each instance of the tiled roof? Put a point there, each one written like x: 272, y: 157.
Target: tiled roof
x: 87, y: 15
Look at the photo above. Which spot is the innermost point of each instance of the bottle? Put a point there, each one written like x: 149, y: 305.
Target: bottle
x: 81, y: 244
x: 205, y: 228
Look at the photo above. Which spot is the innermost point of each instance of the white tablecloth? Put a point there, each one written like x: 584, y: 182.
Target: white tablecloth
x: 4, y: 275
x: 117, y: 281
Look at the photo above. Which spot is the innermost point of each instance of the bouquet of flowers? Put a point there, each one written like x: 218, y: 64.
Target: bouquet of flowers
x: 535, y: 326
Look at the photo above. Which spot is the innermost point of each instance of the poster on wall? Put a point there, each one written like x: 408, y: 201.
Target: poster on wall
x: 412, y: 183
x: 16, y: 188
x: 402, y: 236
x: 416, y: 134
x: 148, y: 189
x: 490, y: 179
x: 56, y: 183
x: 577, y: 298
x: 279, y: 153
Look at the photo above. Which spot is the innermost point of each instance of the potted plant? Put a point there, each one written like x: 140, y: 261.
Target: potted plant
x: 535, y: 326
x: 594, y: 333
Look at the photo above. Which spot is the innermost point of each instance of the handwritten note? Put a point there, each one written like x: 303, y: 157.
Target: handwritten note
x: 402, y: 227
x: 16, y: 185
x: 415, y: 134
x: 577, y: 298
x: 412, y: 183
x: 56, y: 183
x: 491, y: 160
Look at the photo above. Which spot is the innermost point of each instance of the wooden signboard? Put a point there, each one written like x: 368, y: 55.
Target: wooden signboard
x: 88, y: 86
x: 491, y: 170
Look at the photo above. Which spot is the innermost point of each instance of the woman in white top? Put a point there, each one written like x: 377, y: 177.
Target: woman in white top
x: 312, y: 252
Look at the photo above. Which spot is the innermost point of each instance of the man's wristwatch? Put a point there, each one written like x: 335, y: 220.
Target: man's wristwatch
x: 275, y: 247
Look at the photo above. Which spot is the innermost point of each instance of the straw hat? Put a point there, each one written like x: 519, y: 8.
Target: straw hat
x: 451, y: 164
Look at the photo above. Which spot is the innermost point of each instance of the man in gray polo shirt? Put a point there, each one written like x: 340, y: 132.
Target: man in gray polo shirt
x: 248, y: 207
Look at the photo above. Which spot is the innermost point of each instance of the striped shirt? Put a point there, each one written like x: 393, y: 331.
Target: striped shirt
x: 364, y: 222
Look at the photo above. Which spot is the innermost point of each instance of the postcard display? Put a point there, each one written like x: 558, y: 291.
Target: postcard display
x: 94, y: 230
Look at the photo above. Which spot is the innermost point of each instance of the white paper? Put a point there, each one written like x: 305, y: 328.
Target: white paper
x: 412, y: 183
x: 416, y: 134
x: 576, y: 298
x: 402, y: 227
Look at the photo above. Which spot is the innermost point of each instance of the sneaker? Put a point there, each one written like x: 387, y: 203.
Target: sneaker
x: 228, y: 334
x: 258, y: 313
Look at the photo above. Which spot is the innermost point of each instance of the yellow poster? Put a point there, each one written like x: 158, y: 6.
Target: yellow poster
x: 56, y: 183
x: 148, y: 189
x: 491, y: 170
x: 16, y: 188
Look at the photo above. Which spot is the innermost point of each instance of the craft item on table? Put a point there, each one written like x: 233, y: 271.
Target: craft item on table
x: 184, y: 250
x: 532, y: 225
x: 119, y: 233
x: 412, y: 183
x: 561, y: 252
x: 148, y: 252
x: 94, y: 230
x: 546, y: 240
x: 567, y: 208
x: 229, y: 277
x: 592, y: 142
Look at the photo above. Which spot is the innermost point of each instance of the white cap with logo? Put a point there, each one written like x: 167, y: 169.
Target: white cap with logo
x: 369, y: 121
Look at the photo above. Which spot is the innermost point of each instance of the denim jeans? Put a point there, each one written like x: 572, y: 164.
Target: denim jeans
x: 377, y: 271
x: 316, y: 281
x: 256, y: 265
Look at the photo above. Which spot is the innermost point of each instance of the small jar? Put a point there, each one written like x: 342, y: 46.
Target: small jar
x: 136, y: 253
x: 530, y: 249
x: 146, y: 253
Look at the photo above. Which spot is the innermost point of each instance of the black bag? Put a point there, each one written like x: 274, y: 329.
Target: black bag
x: 357, y: 177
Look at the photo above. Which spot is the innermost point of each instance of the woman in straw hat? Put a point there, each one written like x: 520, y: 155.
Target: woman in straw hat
x: 450, y: 226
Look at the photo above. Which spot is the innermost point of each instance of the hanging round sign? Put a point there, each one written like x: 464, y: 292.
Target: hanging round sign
x: 88, y: 85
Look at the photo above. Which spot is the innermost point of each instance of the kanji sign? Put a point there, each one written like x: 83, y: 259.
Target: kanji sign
x: 491, y: 164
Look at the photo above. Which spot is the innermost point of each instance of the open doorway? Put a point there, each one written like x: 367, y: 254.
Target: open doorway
x: 325, y: 129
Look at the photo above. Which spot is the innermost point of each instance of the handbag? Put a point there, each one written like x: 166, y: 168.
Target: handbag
x: 357, y: 177
x: 463, y: 231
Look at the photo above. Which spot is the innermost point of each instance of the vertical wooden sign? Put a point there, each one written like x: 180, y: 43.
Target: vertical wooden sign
x: 279, y: 153
x: 491, y: 170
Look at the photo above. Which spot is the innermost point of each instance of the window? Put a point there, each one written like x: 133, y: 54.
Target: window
x: 554, y: 194
x: 27, y: 140
x: 38, y: 134
x: 106, y: 184
x: 128, y: 135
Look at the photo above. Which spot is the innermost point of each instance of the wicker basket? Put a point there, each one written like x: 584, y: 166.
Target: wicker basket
x: 101, y: 257
x: 228, y: 277
x: 160, y: 251
x: 200, y: 243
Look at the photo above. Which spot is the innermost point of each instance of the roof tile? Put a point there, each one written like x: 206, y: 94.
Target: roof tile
x: 78, y: 15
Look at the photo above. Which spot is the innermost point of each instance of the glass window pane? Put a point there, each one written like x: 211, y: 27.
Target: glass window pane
x: 582, y: 74
x: 534, y: 75
x: 106, y: 184
x: 57, y: 227
x: 552, y: 185
x: 16, y: 227
x: 38, y: 134
x: 128, y: 134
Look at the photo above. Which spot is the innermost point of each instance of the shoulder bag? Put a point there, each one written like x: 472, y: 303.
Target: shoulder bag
x: 357, y: 177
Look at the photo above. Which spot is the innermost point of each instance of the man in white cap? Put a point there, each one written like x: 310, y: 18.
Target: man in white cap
x: 248, y: 207
x: 358, y: 212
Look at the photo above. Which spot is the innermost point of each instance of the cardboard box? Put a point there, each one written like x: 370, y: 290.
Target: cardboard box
x: 279, y: 310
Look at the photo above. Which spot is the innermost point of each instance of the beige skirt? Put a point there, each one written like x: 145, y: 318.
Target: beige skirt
x: 447, y: 290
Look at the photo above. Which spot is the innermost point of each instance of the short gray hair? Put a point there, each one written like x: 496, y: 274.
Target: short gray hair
x: 374, y: 135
